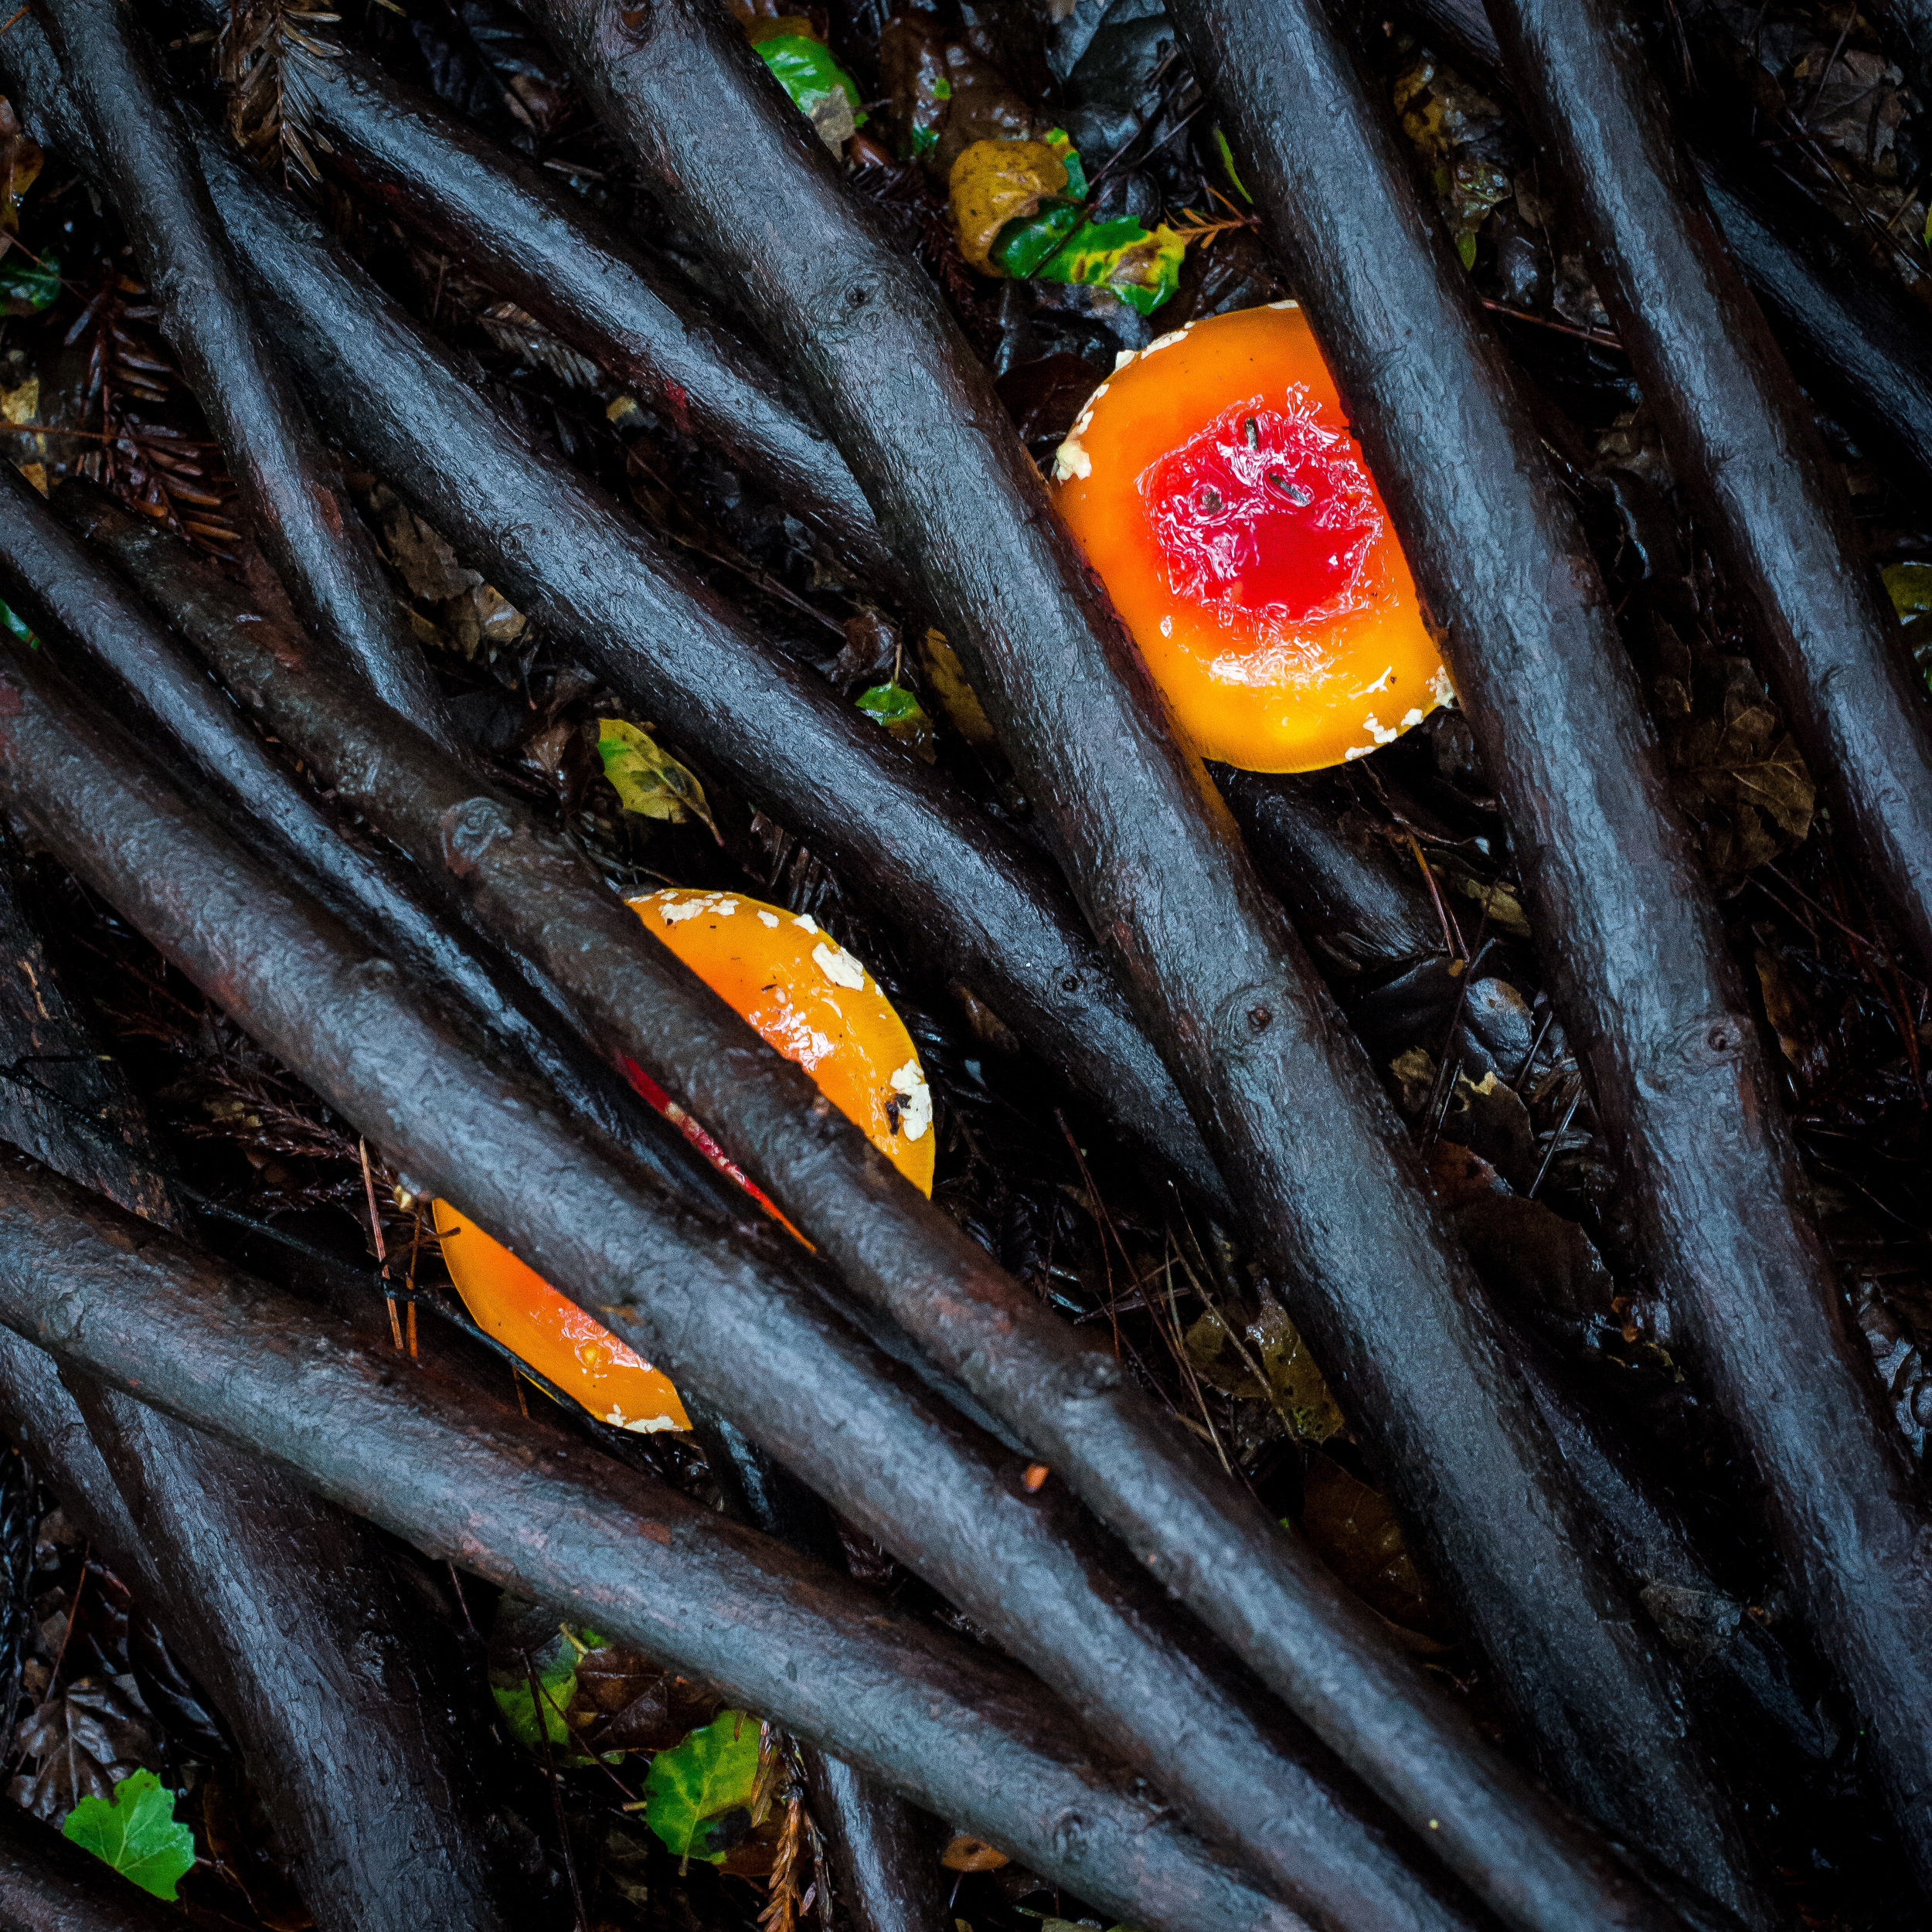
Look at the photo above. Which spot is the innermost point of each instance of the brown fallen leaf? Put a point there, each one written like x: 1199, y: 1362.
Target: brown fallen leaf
x: 1355, y: 1531
x: 966, y: 1853
x: 21, y: 162
x: 1270, y: 1343
x: 1737, y: 772
x: 996, y: 182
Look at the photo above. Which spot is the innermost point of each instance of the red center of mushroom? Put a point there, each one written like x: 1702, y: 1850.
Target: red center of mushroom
x: 1265, y: 511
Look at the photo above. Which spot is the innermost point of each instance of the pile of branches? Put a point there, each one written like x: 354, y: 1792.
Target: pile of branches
x: 1405, y: 1407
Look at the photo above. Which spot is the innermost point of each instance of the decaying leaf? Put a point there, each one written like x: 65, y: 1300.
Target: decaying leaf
x: 1270, y: 1343
x: 81, y: 1743
x: 1910, y: 586
x: 1496, y: 897
x: 946, y: 680
x: 1459, y: 131
x: 698, y: 1794
x: 1143, y: 269
x: 966, y: 1853
x: 469, y: 615
x: 520, y: 332
x: 134, y: 1830
x: 943, y: 96
x: 900, y: 712
x: 1487, y: 1116
x: 1354, y: 1530
x: 21, y: 162
x: 1738, y: 773
x: 647, y: 780
x: 21, y: 404
x: 994, y: 182
x: 1529, y: 1254
x: 1416, y: 1073
x: 593, y: 1699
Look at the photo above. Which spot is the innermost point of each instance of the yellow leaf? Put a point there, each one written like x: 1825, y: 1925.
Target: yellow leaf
x: 1271, y: 1343
x: 996, y: 182
x: 945, y: 678
x: 647, y: 780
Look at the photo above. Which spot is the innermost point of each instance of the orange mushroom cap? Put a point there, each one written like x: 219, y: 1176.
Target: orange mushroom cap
x: 1213, y: 485
x: 807, y: 996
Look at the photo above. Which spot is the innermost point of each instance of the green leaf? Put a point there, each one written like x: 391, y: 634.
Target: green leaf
x: 530, y: 1720
x: 693, y: 1786
x: 1062, y: 144
x: 648, y: 780
x: 1911, y: 586
x: 136, y: 1832
x: 30, y: 287
x: 1143, y: 270
x: 891, y: 704
x: 902, y: 714
x: 17, y: 624
x: 1022, y: 246
x: 820, y: 90
x: 1227, y: 161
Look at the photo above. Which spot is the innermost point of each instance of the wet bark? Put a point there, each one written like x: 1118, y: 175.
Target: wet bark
x: 1383, y: 1295
x: 1862, y: 347
x: 284, y: 1607
x: 634, y: 316
x: 54, y: 577
x: 526, y: 1504
x: 289, y: 484
x: 1633, y: 948
x: 722, y: 1309
x: 1064, y: 1395
x: 1742, y: 444
x: 883, y: 1852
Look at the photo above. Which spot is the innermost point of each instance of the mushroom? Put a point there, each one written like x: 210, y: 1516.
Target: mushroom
x: 1213, y: 484
x: 805, y: 995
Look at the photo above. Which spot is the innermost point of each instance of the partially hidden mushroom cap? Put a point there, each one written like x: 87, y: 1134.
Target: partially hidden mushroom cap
x: 1214, y: 486
x: 812, y: 1001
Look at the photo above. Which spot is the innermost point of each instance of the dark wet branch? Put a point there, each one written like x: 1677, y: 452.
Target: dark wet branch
x: 561, y: 262
x: 724, y: 1310
x: 1062, y: 1394
x: 975, y: 904
x: 884, y: 1852
x: 1385, y: 1298
x: 1861, y: 346
x: 289, y: 485
x: 273, y: 1599
x: 1352, y: 901
x: 1742, y: 442
x: 1744, y: 447
x: 51, y: 575
x: 1630, y: 936
x: 526, y: 1504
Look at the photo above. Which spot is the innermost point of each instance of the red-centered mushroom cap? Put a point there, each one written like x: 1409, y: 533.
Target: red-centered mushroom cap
x: 1213, y: 485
